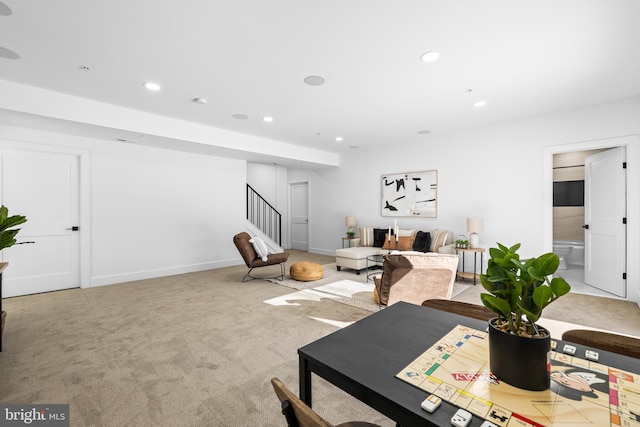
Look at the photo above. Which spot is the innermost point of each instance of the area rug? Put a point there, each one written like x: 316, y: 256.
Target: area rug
x: 345, y: 287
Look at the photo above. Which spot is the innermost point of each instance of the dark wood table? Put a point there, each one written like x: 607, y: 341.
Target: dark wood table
x: 363, y: 359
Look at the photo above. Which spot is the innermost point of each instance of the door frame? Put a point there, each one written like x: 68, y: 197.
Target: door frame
x: 632, y: 144
x: 84, y: 191
x: 289, y: 219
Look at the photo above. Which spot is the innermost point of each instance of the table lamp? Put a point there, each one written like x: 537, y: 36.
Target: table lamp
x: 474, y: 226
x: 350, y: 222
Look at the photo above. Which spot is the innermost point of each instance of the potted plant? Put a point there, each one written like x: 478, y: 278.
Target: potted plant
x: 7, y: 239
x: 351, y: 234
x: 518, y: 291
x: 462, y: 244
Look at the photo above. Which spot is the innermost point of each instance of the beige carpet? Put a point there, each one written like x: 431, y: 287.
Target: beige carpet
x: 195, y: 349
x: 343, y: 286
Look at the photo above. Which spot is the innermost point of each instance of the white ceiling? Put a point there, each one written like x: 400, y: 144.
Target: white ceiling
x: 251, y: 56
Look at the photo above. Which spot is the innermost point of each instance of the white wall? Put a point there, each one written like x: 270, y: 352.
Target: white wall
x: 494, y: 172
x: 153, y: 212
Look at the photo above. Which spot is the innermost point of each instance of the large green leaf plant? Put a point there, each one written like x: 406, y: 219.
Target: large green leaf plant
x: 520, y: 288
x: 7, y: 232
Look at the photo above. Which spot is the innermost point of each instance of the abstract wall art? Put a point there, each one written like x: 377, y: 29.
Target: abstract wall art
x: 410, y: 194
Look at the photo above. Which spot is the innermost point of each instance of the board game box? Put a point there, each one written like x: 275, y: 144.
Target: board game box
x: 583, y: 393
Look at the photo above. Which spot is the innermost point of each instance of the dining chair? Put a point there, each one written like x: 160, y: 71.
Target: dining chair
x: 621, y: 344
x: 298, y: 414
x: 476, y: 311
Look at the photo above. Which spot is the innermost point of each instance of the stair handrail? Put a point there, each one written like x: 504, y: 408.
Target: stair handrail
x: 263, y: 215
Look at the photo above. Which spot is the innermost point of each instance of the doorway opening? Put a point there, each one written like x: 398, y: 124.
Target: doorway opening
x: 564, y: 216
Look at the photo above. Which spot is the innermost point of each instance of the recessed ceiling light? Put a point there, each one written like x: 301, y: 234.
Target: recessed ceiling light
x: 240, y: 116
x: 424, y: 132
x: 430, y: 56
x: 267, y: 119
x: 8, y: 54
x: 314, y: 80
x: 5, y: 10
x: 152, y: 86
x: 480, y: 103
x: 339, y: 139
x: 199, y: 100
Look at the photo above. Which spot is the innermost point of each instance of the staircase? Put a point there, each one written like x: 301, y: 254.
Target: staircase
x: 263, y: 220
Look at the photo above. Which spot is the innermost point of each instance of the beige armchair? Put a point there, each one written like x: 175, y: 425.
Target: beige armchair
x: 416, y: 277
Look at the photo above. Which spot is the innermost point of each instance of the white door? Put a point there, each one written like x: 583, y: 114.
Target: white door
x: 44, y: 187
x: 605, y: 229
x: 300, y: 216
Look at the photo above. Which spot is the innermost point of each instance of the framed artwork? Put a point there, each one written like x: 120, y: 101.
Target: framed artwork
x: 410, y: 194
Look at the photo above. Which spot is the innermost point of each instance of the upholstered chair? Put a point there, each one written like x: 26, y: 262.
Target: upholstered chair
x: 252, y: 260
x: 416, y: 277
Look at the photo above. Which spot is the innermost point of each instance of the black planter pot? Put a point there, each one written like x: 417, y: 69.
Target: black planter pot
x: 521, y: 362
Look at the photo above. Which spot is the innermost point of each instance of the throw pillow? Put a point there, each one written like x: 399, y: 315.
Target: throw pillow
x: 438, y: 239
x: 366, y: 236
x: 411, y: 232
x: 379, y: 235
x: 405, y: 243
x: 260, y: 247
x: 422, y: 242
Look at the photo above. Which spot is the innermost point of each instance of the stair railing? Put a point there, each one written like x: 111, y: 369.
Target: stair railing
x: 264, y: 216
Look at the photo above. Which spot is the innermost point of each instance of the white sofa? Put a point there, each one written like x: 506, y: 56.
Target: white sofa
x: 355, y: 257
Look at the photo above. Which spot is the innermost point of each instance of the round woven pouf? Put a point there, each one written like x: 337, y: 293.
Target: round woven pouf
x: 306, y: 271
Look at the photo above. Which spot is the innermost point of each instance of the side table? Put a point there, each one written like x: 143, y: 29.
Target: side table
x: 373, y: 261
x: 3, y: 265
x: 466, y: 275
x: 351, y: 240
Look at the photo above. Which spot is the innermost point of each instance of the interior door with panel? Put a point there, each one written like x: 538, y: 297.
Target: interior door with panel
x: 300, y: 216
x: 605, y: 221
x: 44, y: 187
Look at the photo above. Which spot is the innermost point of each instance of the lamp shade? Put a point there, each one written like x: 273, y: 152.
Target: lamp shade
x: 475, y: 225
x: 350, y: 221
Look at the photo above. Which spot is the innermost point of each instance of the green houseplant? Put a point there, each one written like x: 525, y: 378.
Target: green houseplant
x: 462, y: 244
x: 7, y: 232
x: 8, y: 239
x: 518, y: 291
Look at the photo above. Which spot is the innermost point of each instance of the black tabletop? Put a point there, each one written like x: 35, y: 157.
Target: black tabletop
x: 364, y: 358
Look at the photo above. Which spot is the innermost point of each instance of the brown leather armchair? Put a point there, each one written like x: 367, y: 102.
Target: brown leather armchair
x: 251, y: 258
x: 414, y: 278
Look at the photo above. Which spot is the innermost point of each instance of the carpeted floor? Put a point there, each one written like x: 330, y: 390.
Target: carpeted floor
x: 195, y: 349
x: 341, y: 286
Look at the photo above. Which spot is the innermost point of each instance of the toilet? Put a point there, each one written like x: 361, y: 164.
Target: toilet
x: 563, y: 251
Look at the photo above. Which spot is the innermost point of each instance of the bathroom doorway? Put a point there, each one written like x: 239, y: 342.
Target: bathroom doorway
x: 581, y: 249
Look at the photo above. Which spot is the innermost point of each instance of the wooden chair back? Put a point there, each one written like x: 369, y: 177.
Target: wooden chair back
x: 298, y: 414
x: 479, y: 312
x: 621, y: 344
x: 304, y: 416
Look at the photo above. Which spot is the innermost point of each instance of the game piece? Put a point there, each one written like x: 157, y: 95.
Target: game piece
x: 461, y: 418
x: 591, y: 355
x: 569, y: 349
x: 488, y: 424
x: 431, y: 403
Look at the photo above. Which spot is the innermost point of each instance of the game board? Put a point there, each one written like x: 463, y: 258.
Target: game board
x: 583, y: 393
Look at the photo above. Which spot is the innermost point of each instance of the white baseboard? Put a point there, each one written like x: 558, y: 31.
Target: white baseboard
x: 161, y: 272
